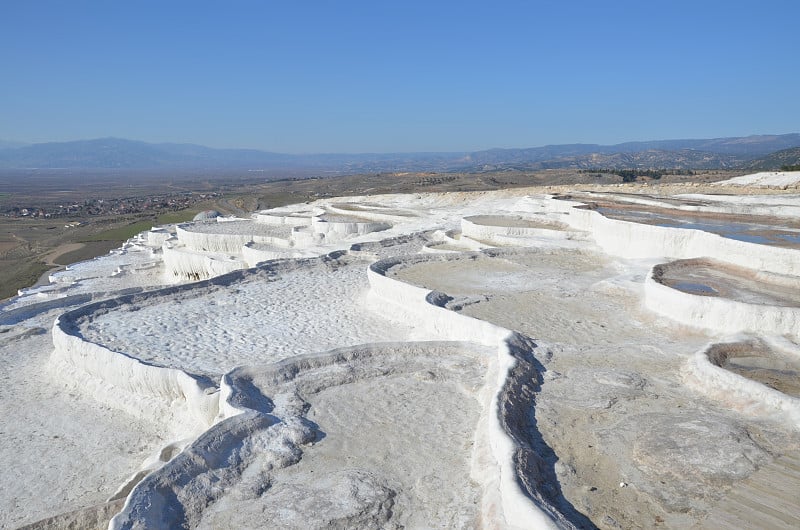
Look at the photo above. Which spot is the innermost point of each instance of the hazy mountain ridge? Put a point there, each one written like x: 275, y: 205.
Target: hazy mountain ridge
x: 5, y: 144
x: 650, y: 159
x: 743, y: 148
x: 784, y: 157
x: 115, y: 153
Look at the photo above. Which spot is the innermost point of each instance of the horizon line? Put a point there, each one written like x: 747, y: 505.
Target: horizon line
x: 22, y: 144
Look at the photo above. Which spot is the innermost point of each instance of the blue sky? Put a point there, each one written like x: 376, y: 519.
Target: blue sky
x: 307, y: 76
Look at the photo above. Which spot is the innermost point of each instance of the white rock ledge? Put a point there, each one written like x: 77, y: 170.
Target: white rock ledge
x: 636, y: 240
x: 501, y: 440
x: 742, y: 394
x: 184, y: 404
x: 717, y: 314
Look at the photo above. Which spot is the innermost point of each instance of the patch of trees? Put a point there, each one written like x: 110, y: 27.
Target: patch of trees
x: 787, y: 167
x: 432, y: 181
x: 630, y: 175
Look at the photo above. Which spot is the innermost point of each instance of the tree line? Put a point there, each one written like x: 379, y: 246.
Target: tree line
x: 630, y: 175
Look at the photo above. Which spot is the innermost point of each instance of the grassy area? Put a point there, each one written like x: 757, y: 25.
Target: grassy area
x: 123, y: 233
x: 90, y: 250
x: 18, y: 274
x: 176, y: 217
x: 21, y: 262
x: 120, y: 233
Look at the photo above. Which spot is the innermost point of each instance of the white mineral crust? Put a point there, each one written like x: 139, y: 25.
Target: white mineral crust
x: 499, y: 359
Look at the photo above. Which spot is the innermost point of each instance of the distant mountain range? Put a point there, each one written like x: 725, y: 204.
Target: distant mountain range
x: 116, y: 153
x: 784, y: 157
x: 8, y: 145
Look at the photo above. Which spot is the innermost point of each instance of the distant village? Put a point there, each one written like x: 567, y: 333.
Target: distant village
x: 99, y: 207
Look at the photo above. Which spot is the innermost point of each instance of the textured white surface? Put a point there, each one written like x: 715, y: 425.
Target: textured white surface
x: 261, y: 319
x: 156, y: 371
x: 766, y: 179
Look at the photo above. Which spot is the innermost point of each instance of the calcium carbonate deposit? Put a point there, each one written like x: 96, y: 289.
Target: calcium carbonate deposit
x: 619, y: 357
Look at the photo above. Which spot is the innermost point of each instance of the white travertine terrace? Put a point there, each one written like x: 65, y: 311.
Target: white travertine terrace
x: 743, y: 394
x: 503, y: 360
x: 727, y: 314
x: 204, y: 250
x: 229, y: 237
x: 767, y: 179
x: 637, y: 240
x: 184, y: 263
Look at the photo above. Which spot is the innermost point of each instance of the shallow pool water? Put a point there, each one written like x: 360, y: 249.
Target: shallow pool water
x: 759, y: 233
x: 777, y: 373
x: 694, y: 288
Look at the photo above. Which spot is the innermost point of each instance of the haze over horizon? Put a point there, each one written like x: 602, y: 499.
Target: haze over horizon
x: 411, y: 77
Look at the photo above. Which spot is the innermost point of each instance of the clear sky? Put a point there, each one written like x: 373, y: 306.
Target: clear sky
x: 379, y: 76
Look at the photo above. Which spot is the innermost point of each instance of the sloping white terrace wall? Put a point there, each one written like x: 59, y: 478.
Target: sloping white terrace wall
x: 210, y: 242
x: 772, y: 205
x: 500, y: 441
x: 336, y: 230
x: 511, y: 235
x: 155, y: 237
x: 454, y: 237
x: 304, y: 237
x: 274, y: 218
x: 718, y: 314
x: 451, y: 242
x: 168, y: 395
x: 441, y: 248
x: 183, y: 263
x: 636, y: 240
x: 766, y: 179
x: 253, y: 254
x: 136, y: 268
x: 195, y: 238
x: 743, y: 394
x: 120, y: 381
x: 472, y: 227
x: 760, y: 205
x: 374, y: 213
